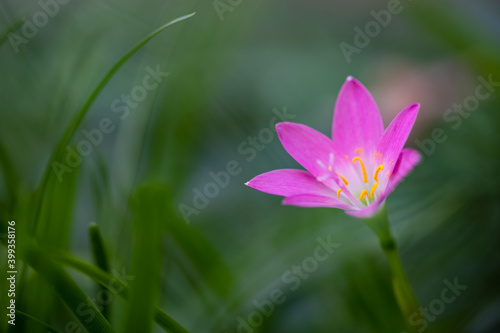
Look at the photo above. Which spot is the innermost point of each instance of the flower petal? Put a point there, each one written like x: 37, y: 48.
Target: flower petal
x: 394, y: 138
x: 356, y: 120
x: 408, y: 159
x: 289, y: 182
x: 368, y: 211
x: 312, y: 149
x: 310, y: 200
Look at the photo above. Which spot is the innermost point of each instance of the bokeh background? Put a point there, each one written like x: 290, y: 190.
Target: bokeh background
x: 229, y: 67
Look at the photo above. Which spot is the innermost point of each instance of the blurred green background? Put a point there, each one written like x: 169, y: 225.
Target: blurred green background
x: 226, y: 267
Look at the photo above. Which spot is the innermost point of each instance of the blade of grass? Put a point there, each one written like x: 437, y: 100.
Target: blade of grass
x: 201, y: 253
x: 149, y: 211
x: 53, y: 234
x: 10, y: 175
x: 67, y: 289
x: 119, y: 288
x: 58, y: 152
x: 101, y: 260
x: 98, y: 248
x: 38, y: 321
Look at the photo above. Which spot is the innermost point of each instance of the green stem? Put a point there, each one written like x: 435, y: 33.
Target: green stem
x: 406, y: 300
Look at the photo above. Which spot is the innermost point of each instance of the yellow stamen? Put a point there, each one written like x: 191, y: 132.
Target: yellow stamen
x: 364, y: 193
x: 329, y: 168
x: 380, y: 167
x: 365, y: 178
x: 344, y: 180
x: 338, y: 192
x: 374, y: 187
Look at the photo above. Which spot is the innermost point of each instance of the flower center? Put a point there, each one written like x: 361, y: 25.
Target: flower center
x: 379, y: 168
x: 367, y: 191
x: 365, y: 178
x: 365, y: 194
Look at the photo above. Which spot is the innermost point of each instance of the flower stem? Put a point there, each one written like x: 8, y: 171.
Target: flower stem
x: 402, y: 290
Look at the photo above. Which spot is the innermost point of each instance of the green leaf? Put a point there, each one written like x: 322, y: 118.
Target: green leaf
x: 52, y: 235
x: 39, y: 322
x: 10, y: 175
x: 67, y: 289
x: 101, y: 260
x: 201, y: 254
x: 58, y: 152
x: 98, y: 248
x: 119, y: 288
x: 149, y: 210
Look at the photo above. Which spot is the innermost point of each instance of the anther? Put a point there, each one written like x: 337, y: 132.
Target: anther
x: 344, y: 180
x: 375, y: 176
x: 338, y: 192
x: 365, y: 178
x: 363, y: 193
x: 372, y: 192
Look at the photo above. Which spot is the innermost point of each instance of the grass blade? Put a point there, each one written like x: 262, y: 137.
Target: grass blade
x: 101, y: 260
x: 52, y: 235
x: 67, y: 289
x: 119, y: 288
x: 58, y: 152
x: 149, y: 211
x: 39, y: 322
x: 10, y: 176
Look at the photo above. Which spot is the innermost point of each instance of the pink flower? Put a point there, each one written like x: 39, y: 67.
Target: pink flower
x: 357, y: 169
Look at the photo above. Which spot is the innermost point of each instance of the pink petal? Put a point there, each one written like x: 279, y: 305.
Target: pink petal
x: 356, y: 120
x: 288, y: 182
x: 308, y: 146
x: 310, y: 200
x: 368, y: 211
x: 394, y: 138
x: 408, y: 159
x: 406, y: 162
